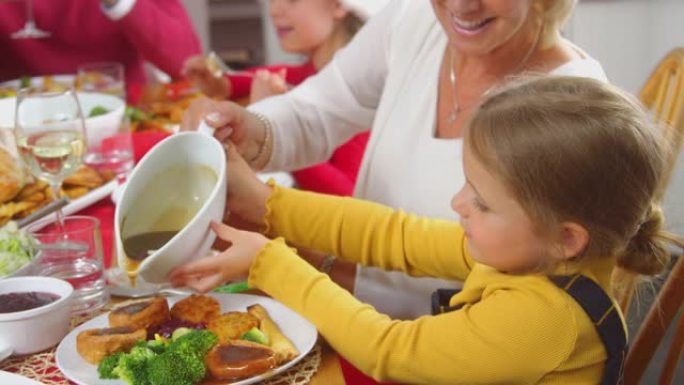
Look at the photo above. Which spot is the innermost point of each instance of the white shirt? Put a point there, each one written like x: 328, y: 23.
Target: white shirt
x: 386, y: 79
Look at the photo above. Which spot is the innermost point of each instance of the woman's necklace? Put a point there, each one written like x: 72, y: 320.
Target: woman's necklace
x: 456, y: 108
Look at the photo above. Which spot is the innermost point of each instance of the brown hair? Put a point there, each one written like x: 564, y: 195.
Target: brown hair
x: 576, y: 149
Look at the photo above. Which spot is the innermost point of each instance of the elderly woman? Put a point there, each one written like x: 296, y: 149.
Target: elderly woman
x: 413, y: 74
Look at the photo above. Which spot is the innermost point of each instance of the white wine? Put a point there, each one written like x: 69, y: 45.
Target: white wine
x: 52, y: 155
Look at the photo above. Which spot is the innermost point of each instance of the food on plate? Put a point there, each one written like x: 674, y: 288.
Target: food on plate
x: 281, y: 345
x: 161, y: 107
x: 196, y: 309
x: 239, y: 359
x: 232, y: 325
x: 96, y: 344
x: 35, y: 194
x: 150, y: 312
x: 168, y: 328
x: 186, y: 353
x: 97, y: 111
x: 11, y: 176
x: 20, y: 301
x: 17, y: 248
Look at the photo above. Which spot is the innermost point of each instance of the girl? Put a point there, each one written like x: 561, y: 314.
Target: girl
x: 560, y: 177
x: 316, y: 29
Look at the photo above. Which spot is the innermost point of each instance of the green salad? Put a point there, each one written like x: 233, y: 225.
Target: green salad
x: 17, y: 248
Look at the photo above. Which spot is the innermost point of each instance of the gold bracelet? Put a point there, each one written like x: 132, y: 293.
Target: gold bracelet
x: 327, y: 264
x: 267, y: 136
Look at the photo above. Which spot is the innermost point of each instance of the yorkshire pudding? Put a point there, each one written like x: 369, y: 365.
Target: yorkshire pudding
x: 140, y: 314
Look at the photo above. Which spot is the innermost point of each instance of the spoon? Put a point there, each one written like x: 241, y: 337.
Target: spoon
x: 218, y: 67
x: 131, y: 292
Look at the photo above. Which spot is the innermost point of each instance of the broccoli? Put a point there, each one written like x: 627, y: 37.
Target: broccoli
x: 183, y: 361
x: 97, y: 111
x: 255, y: 335
x: 107, y: 365
x: 180, y: 332
x: 157, y: 346
x: 176, y: 368
x: 132, y: 367
x: 196, y: 342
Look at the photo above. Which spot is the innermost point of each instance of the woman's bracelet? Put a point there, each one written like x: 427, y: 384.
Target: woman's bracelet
x: 327, y: 264
x: 264, y: 144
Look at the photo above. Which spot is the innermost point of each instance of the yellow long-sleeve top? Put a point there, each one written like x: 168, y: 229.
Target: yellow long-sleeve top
x: 511, y: 330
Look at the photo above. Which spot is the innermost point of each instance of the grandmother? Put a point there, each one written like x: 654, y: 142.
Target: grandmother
x: 414, y: 74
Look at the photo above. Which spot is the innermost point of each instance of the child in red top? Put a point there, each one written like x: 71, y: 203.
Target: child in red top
x: 317, y: 29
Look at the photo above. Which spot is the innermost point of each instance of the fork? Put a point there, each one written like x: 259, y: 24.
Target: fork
x: 218, y: 67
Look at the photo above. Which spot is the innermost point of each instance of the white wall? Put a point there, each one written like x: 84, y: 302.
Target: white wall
x: 629, y: 37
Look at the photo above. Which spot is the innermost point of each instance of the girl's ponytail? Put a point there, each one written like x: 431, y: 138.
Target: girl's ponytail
x: 646, y: 252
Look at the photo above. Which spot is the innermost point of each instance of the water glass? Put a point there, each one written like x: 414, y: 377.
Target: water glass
x: 104, y: 77
x: 110, y: 149
x: 73, y: 254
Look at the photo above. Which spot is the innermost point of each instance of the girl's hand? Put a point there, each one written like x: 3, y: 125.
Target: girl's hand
x: 266, y: 84
x: 230, y: 265
x: 196, y: 70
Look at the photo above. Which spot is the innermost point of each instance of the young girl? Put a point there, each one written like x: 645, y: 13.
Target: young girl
x: 561, y: 174
x: 316, y: 29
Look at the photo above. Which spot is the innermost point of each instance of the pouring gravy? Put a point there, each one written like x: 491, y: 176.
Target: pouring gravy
x: 168, y: 202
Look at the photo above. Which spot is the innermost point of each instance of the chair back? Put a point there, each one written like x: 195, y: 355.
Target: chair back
x: 663, y: 94
x: 660, y: 317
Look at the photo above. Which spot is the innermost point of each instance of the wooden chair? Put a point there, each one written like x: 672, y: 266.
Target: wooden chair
x: 661, y: 315
x: 663, y: 95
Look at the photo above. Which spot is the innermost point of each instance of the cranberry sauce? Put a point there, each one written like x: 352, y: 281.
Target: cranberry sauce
x: 13, y: 302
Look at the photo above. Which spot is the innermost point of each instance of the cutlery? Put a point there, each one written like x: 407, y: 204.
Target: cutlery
x: 43, y: 211
x: 218, y: 67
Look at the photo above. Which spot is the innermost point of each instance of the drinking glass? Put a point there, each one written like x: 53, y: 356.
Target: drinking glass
x: 74, y: 254
x: 50, y: 134
x: 30, y: 29
x: 105, y: 77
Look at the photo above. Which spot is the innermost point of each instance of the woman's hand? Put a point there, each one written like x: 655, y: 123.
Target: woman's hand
x: 266, y: 84
x: 230, y: 265
x: 212, y: 84
x: 247, y: 194
x: 233, y: 123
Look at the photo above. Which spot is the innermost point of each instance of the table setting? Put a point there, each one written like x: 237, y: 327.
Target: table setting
x: 76, y: 239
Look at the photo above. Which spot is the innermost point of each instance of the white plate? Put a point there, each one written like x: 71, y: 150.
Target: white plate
x: 7, y: 378
x: 81, y: 202
x: 37, y: 81
x: 300, y: 331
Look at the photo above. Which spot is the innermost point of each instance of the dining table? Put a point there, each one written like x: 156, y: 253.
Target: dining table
x: 332, y: 370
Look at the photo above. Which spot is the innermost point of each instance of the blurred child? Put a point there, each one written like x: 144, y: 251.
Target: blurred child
x: 316, y: 29
x: 561, y: 174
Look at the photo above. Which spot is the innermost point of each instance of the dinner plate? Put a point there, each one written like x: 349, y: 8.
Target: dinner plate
x: 7, y: 378
x: 37, y: 81
x: 81, y: 202
x: 300, y: 331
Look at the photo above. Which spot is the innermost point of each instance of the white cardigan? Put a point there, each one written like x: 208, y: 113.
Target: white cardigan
x: 386, y: 79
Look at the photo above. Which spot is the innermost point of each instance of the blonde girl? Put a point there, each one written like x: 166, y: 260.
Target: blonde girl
x: 560, y: 178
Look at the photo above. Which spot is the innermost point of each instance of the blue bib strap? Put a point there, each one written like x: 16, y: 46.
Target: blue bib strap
x: 600, y: 309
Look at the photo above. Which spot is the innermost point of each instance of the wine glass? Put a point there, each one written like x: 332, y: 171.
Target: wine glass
x: 50, y: 136
x: 30, y: 30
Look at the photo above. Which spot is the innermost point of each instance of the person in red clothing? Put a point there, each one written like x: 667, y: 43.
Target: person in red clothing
x: 124, y: 31
x: 316, y: 29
